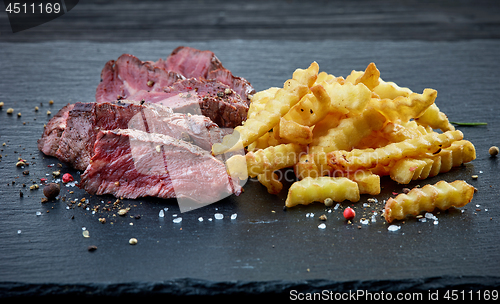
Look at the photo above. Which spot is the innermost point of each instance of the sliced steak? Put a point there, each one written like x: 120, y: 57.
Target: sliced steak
x: 85, y: 120
x: 190, y: 62
x: 49, y: 142
x: 193, y: 63
x: 131, y: 163
x: 127, y: 75
x: 204, y: 97
x: 240, y: 85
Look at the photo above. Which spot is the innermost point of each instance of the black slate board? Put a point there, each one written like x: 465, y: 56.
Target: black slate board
x: 265, y: 250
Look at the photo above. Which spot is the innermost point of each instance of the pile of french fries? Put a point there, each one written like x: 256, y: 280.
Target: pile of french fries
x: 340, y: 135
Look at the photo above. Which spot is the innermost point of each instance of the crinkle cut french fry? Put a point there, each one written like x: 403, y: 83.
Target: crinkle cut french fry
x: 436, y: 119
x: 408, y: 169
x: 405, y: 108
x: 268, y: 159
x: 348, y: 97
x: 270, y: 180
x: 349, y: 132
x: 307, y: 76
x: 291, y: 132
x: 370, y: 78
x: 442, y: 196
x: 369, y: 158
x: 368, y: 183
x: 259, y: 100
x: 307, y: 167
x: 264, y: 120
x: 390, y: 90
x: 312, y: 108
x: 309, y: 190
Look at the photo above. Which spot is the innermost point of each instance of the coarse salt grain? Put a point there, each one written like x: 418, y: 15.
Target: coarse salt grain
x: 364, y: 221
x: 233, y: 216
x: 393, y: 228
x: 161, y: 213
x: 322, y: 226
x: 200, y: 219
x: 177, y: 220
x: 218, y: 216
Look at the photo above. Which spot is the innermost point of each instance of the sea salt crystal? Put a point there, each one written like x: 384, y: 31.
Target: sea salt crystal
x: 177, y: 220
x: 38, y: 213
x: 233, y: 216
x: 336, y: 207
x: 200, y: 219
x: 364, y: 222
x: 19, y: 231
x: 161, y: 214
x: 393, y: 228
x: 322, y: 226
x: 218, y: 216
x: 430, y: 216
x: 436, y: 222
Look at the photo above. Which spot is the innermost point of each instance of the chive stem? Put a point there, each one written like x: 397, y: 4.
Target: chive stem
x: 469, y: 123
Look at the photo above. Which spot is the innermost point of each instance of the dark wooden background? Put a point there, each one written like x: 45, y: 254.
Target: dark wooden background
x: 119, y: 20
x: 450, y: 46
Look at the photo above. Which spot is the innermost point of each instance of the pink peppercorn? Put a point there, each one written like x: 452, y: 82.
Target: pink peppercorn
x: 67, y: 178
x: 349, y: 213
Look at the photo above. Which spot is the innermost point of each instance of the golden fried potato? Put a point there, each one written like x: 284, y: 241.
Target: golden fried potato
x: 268, y: 159
x: 270, y: 180
x: 318, y: 189
x: 259, y: 100
x: 349, y: 132
x: 405, y: 108
x: 312, y: 108
x: 368, y: 182
x: 264, y: 120
x: 442, y: 196
x: 307, y: 76
x: 291, y: 132
x: 369, y: 158
x: 435, y: 119
x: 390, y: 90
x: 347, y: 97
x: 429, y: 165
x: 370, y: 78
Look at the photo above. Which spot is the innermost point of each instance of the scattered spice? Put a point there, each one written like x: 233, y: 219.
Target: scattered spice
x: 132, y: 241
x: 51, y: 190
x: 67, y: 178
x: 92, y: 248
x: 10, y: 110
x: 474, y: 176
x: 122, y: 212
x: 322, y: 217
x: 328, y: 202
x: 493, y: 151
x: 48, y: 112
x: 349, y: 213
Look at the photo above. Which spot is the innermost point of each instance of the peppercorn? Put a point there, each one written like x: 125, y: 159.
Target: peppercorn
x: 493, y: 151
x: 51, y: 190
x: 349, y: 213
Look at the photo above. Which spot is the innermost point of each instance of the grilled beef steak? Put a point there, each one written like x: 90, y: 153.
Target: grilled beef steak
x: 127, y: 75
x: 49, y: 142
x: 85, y: 120
x: 131, y: 163
x: 133, y: 79
x: 198, y: 96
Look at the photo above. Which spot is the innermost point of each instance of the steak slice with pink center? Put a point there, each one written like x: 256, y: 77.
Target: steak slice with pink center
x: 131, y: 163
